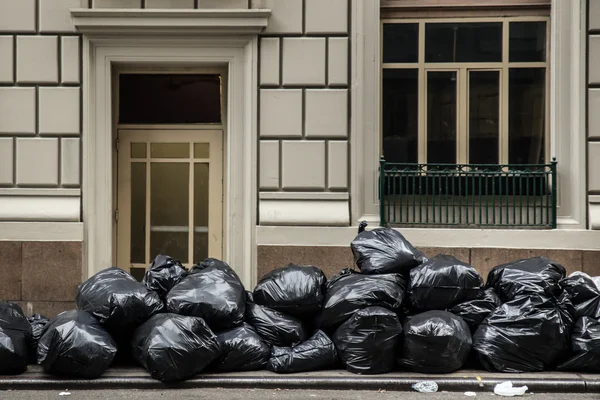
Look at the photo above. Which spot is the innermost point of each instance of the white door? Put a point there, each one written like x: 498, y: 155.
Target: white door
x: 170, y: 196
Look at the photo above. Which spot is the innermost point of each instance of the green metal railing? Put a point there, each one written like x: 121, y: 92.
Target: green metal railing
x: 468, y: 195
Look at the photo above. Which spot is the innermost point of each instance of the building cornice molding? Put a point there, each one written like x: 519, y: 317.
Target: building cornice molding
x: 169, y: 22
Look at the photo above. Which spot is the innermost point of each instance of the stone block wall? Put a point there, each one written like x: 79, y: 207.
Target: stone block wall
x: 304, y: 116
x: 40, y: 110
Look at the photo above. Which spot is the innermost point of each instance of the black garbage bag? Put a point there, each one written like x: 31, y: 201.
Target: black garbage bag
x: 584, y: 294
x: 38, y: 322
x: 118, y: 300
x: 316, y: 353
x: 211, y: 291
x: 297, y: 290
x: 384, y: 251
x: 163, y: 274
x: 75, y: 345
x: 350, y: 291
x: 527, y: 334
x: 585, y: 347
x: 368, y: 342
x: 274, y: 327
x: 435, y: 342
x: 15, y: 339
x: 529, y: 276
x: 242, y: 349
x: 473, y: 312
x: 443, y: 282
x: 174, y: 347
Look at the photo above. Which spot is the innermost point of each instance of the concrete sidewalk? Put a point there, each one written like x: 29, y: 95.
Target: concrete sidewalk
x: 464, y: 380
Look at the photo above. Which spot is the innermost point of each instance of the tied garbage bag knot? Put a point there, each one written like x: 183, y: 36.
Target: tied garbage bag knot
x: 349, y: 292
x: 435, y: 342
x: 15, y: 339
x: 383, y: 251
x: 76, y: 345
x: 297, y: 290
x: 174, y: 347
x: 212, y: 291
x: 316, y: 353
x: 367, y: 343
x: 164, y: 273
x: 443, y: 282
x: 242, y: 349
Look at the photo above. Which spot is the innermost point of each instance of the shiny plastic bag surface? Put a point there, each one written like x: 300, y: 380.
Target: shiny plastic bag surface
x: 384, y: 251
x: 585, y: 347
x: 435, y: 342
x: 242, y: 349
x: 294, y: 289
x: 174, y: 347
x: 163, y: 274
x: 316, y: 353
x: 274, y: 327
x: 38, y: 323
x: 584, y: 294
x: 76, y: 345
x: 15, y: 339
x: 528, y: 334
x: 529, y: 276
x: 473, y: 312
x: 212, y: 291
x: 368, y: 342
x: 443, y: 282
x: 117, y: 300
x: 350, y: 291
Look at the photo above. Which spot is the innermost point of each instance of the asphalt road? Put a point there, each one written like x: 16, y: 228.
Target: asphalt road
x: 254, y: 394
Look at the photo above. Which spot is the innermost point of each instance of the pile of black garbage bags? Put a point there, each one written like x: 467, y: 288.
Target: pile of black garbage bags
x: 398, y: 311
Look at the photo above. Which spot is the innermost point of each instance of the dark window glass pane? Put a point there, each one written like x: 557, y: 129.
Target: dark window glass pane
x: 484, y: 116
x: 527, y: 41
x: 526, y: 115
x: 441, y: 117
x: 169, y: 99
x: 400, y: 115
x: 463, y: 42
x: 400, y: 43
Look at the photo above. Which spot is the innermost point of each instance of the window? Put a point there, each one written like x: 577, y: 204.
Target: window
x: 465, y: 91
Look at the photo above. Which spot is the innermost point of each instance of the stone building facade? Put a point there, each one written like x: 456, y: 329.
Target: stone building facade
x: 104, y: 160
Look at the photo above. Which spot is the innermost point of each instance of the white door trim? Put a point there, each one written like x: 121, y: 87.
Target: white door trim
x: 239, y: 55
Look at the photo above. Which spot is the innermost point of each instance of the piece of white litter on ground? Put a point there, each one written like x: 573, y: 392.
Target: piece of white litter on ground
x: 425, y: 387
x: 64, y: 394
x: 470, y: 394
x: 508, y: 390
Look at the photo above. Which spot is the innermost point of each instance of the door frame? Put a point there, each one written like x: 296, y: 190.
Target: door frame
x: 240, y: 56
x: 215, y: 186
x: 140, y: 68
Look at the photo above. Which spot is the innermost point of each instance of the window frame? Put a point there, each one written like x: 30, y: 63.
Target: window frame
x: 463, y: 69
